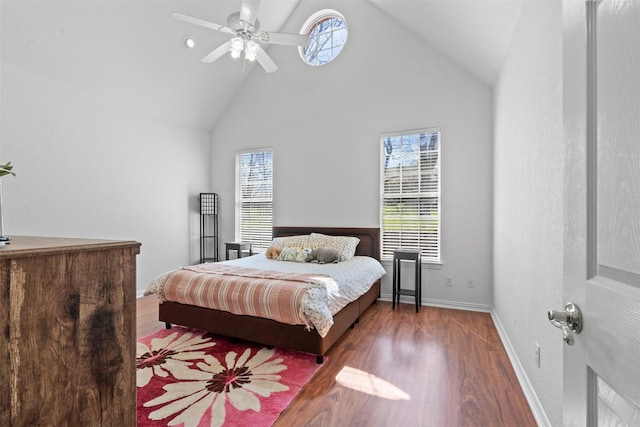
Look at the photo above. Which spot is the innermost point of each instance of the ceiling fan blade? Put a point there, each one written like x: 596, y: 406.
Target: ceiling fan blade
x: 283, y: 38
x: 221, y: 50
x: 249, y: 11
x: 201, y: 22
x: 266, y: 61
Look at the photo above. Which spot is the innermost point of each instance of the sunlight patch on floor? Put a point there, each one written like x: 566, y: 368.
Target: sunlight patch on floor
x: 365, y: 382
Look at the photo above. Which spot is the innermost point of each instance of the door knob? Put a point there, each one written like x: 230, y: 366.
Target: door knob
x: 569, y: 320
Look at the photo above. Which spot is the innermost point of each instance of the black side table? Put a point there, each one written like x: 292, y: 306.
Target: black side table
x: 407, y: 255
x: 239, y: 247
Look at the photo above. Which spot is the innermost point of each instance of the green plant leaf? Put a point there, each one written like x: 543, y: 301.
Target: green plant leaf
x: 6, y: 169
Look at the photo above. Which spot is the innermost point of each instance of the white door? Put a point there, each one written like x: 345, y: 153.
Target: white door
x: 601, y: 91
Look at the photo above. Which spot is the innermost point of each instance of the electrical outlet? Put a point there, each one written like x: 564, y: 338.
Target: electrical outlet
x: 469, y: 283
x: 448, y: 281
x: 537, y: 355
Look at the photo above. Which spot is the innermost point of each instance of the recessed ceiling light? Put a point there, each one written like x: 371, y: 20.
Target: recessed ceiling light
x: 189, y: 42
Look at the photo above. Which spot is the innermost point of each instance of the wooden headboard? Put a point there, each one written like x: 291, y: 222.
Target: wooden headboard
x: 369, y: 237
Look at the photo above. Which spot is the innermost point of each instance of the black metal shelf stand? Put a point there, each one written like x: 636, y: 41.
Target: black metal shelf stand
x: 208, y: 227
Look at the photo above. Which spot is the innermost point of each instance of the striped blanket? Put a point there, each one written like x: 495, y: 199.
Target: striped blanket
x: 292, y: 298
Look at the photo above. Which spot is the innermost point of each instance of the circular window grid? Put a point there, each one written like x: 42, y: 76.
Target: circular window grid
x: 328, y: 31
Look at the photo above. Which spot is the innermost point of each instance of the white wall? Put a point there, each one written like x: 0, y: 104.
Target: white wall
x: 528, y: 216
x: 87, y: 167
x: 324, y: 125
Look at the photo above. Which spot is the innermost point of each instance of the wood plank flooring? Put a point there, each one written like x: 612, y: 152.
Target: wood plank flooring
x: 439, y: 368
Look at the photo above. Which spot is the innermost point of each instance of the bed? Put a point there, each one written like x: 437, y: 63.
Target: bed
x: 273, y: 333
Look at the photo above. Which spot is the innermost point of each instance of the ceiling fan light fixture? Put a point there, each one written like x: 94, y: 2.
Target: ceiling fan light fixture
x: 251, y: 50
x: 237, y: 45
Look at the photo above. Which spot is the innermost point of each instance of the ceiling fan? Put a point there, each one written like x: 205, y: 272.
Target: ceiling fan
x: 244, y: 26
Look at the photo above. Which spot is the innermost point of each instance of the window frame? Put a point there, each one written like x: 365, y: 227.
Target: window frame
x: 260, y: 239
x: 422, y: 198
x: 314, y: 21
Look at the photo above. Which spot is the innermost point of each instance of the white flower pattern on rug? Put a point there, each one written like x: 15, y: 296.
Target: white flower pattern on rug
x: 170, y: 354
x: 240, y: 380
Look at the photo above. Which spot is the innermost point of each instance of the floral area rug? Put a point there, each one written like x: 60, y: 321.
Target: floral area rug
x: 190, y: 378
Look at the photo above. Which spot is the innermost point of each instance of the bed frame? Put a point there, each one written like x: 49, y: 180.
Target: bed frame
x: 271, y: 333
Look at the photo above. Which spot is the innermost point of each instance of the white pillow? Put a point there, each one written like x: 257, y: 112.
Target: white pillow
x: 345, y: 245
x: 301, y: 241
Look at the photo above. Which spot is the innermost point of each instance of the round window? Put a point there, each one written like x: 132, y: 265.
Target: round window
x: 328, y: 32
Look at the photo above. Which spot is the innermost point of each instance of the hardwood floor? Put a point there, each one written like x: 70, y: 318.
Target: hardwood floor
x: 440, y: 368
x: 147, y: 315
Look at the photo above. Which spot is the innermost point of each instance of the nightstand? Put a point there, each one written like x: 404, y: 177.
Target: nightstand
x: 239, y: 248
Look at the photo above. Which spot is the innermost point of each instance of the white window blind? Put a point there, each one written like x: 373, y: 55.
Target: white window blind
x: 254, y: 198
x: 410, y: 192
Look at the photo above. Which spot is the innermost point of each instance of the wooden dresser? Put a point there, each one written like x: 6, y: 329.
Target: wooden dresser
x: 67, y: 341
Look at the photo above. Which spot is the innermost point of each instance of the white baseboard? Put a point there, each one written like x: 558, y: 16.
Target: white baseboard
x: 529, y: 393
x: 456, y: 305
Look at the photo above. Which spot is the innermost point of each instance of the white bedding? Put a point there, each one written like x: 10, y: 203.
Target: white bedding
x: 353, y: 277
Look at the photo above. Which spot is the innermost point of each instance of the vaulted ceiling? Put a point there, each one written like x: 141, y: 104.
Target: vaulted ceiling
x: 124, y: 47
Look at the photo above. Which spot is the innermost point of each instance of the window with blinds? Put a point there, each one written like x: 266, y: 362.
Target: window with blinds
x: 410, y: 192
x: 254, y: 198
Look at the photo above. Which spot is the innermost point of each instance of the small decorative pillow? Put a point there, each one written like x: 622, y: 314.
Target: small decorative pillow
x: 294, y: 254
x: 301, y: 241
x: 345, y: 245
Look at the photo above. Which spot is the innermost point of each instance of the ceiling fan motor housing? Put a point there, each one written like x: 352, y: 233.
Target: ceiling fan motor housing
x: 242, y: 27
